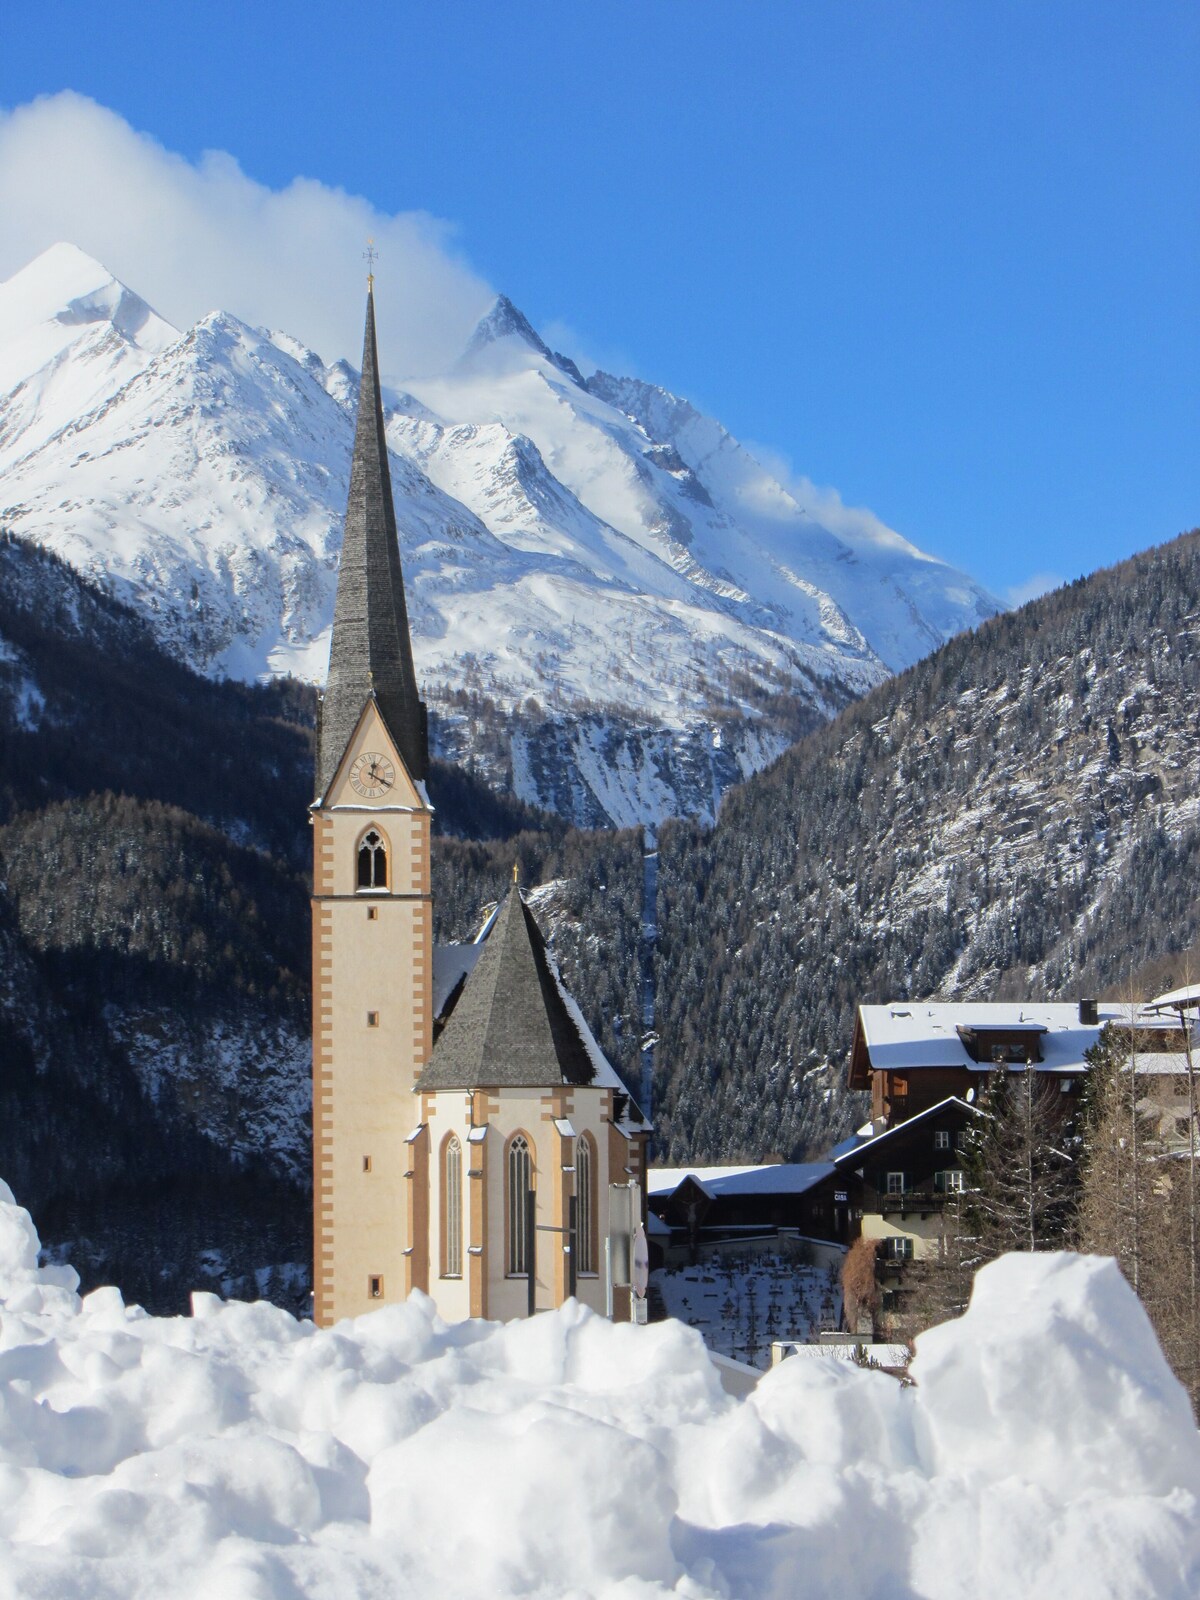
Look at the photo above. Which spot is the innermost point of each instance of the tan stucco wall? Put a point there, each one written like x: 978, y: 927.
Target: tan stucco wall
x: 363, y: 1104
x: 925, y: 1232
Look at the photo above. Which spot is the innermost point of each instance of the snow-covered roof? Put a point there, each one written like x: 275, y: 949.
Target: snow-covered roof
x: 786, y: 1177
x: 1173, y: 1063
x: 884, y: 1355
x: 868, y: 1146
x: 451, y: 963
x: 908, y: 1035
x: 1187, y: 998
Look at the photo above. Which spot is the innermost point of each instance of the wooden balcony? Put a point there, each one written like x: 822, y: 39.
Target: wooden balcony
x: 913, y: 1202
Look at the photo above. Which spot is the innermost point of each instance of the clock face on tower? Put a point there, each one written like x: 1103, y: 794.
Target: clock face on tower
x: 372, y: 775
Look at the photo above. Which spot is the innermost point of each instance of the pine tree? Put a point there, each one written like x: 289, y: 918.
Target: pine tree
x: 1019, y: 1160
x: 1135, y: 1200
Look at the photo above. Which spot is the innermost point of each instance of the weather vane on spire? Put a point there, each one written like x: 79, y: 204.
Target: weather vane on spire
x: 370, y: 256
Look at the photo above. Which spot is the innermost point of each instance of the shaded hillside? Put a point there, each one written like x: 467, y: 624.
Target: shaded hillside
x: 1018, y: 814
x: 154, y: 942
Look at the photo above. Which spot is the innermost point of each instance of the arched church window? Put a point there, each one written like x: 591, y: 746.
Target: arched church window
x: 452, y: 1217
x: 372, y: 861
x: 585, y: 1206
x: 520, y: 1182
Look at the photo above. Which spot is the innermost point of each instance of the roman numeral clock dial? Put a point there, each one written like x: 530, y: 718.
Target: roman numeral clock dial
x: 372, y: 775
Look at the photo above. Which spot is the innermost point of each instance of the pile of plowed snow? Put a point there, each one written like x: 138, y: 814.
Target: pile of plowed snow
x: 237, y: 1454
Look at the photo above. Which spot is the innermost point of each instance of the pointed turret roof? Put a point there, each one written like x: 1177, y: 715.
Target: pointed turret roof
x: 512, y: 1027
x: 370, y: 652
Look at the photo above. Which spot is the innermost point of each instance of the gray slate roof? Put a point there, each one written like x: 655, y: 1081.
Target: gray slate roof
x: 511, y: 1027
x: 370, y: 649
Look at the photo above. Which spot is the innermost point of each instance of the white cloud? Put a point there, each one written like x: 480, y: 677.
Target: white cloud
x: 1038, y: 583
x: 198, y: 237
x: 855, y: 524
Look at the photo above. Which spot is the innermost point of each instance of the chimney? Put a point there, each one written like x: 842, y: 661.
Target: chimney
x: 1089, y: 1013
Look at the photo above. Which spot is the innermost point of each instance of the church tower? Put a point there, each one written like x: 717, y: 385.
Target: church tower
x: 372, y: 904
x: 470, y: 1139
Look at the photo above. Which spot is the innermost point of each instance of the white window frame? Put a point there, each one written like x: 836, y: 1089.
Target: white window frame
x: 897, y: 1183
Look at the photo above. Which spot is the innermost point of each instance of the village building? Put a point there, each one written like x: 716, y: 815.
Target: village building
x: 912, y: 1055
x: 469, y: 1137
x: 900, y: 1182
x: 698, y: 1206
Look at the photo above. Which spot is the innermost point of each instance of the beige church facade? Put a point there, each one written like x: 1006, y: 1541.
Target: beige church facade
x: 470, y: 1139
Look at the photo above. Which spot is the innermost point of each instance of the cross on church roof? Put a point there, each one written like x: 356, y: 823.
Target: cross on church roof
x: 370, y: 256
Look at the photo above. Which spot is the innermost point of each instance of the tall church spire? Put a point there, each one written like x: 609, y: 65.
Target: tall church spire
x: 370, y: 651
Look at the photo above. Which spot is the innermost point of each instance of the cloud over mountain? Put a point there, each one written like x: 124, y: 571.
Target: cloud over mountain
x: 199, y: 235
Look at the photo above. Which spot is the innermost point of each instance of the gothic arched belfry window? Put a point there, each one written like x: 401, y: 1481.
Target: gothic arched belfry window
x: 372, y: 861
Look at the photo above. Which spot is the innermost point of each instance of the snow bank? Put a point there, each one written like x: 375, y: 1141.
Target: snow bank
x: 239, y: 1454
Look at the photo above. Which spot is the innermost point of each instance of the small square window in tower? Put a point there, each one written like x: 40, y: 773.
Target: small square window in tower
x: 375, y: 1288
x: 372, y: 1019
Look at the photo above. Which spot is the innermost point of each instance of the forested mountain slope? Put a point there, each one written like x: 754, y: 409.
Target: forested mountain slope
x: 154, y: 942
x: 1016, y: 815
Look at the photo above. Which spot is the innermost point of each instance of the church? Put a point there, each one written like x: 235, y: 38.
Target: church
x: 469, y: 1137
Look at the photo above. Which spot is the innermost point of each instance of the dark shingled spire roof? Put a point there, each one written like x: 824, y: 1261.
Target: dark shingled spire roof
x: 511, y: 1027
x: 370, y: 649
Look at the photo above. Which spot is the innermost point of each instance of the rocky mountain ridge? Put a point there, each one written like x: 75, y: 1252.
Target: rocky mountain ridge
x: 592, y: 545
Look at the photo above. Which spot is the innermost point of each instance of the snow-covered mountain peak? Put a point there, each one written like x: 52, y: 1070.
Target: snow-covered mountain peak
x: 572, y: 545
x: 506, y: 332
x: 48, y: 304
x: 71, y: 334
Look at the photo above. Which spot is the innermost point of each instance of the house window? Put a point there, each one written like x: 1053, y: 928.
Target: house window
x: 520, y: 1182
x: 941, y: 1139
x: 585, y: 1206
x: 452, y: 1209
x: 366, y: 1163
x: 372, y: 1019
x: 375, y: 1288
x: 949, y: 1182
x: 372, y: 861
x: 1179, y: 1088
x: 898, y: 1248
x: 372, y: 913
x: 895, y: 1183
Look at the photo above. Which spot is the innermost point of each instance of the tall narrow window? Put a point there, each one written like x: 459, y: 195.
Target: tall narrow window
x: 452, y: 1209
x: 585, y: 1206
x: 520, y: 1181
x: 372, y: 861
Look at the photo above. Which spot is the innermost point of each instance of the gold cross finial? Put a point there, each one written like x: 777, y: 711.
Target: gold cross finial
x: 370, y: 256
x: 516, y: 872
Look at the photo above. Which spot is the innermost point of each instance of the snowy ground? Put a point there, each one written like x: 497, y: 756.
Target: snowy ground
x: 1046, y: 1451
x: 739, y: 1304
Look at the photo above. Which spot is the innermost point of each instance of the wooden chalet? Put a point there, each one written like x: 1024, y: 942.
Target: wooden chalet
x: 704, y: 1205
x: 910, y: 1055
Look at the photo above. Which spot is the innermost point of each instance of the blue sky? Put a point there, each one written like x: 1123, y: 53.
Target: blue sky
x: 943, y: 257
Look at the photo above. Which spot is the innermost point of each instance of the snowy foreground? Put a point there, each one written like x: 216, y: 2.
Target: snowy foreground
x: 239, y: 1454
